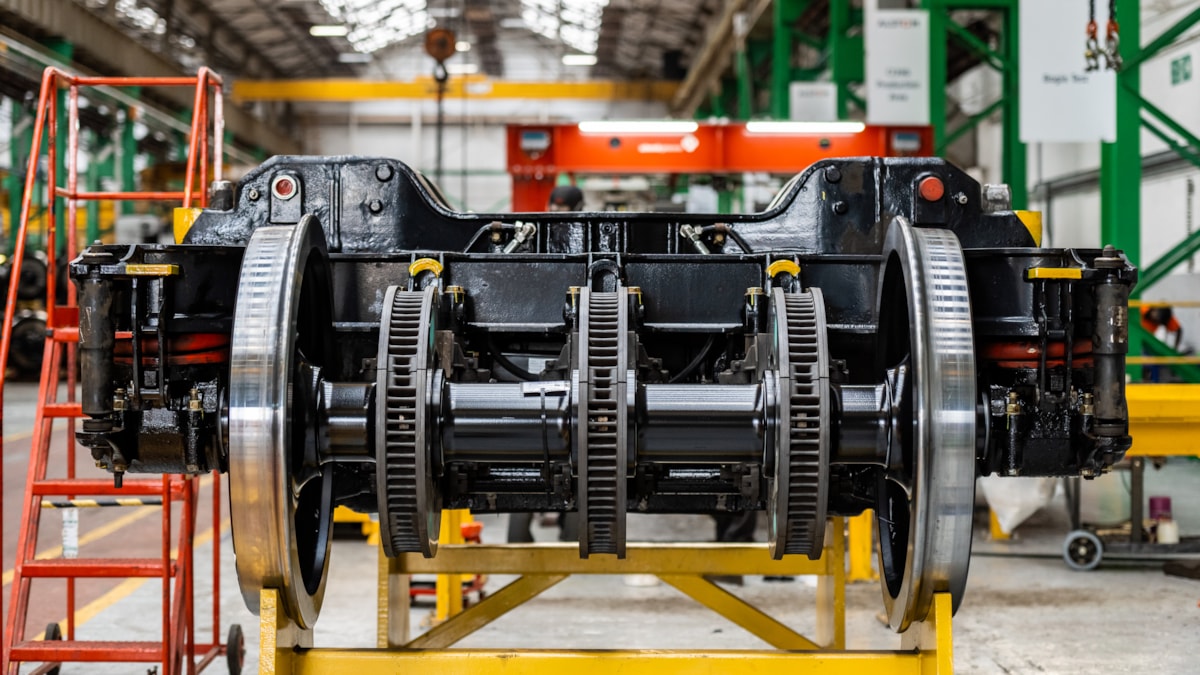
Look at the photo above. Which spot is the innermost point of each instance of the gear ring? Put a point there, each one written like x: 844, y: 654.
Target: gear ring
x: 796, y: 508
x: 281, y: 502
x: 602, y: 442
x: 410, y: 511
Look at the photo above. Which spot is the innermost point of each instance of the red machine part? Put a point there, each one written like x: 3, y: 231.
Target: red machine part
x: 537, y: 154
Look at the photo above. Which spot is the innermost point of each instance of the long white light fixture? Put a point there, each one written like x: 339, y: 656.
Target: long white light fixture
x: 771, y: 127
x: 638, y: 127
x: 579, y: 59
x: 462, y: 68
x: 333, y: 30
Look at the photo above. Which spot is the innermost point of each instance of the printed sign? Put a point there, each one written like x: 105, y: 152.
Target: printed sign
x: 813, y: 101
x: 897, y: 68
x: 1060, y: 101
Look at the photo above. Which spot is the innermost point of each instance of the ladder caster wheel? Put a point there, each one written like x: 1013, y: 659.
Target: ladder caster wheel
x: 53, y: 632
x: 235, y: 649
x: 1082, y: 550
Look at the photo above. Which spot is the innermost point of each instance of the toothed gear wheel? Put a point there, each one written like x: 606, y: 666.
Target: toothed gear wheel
x: 409, y: 505
x: 602, y: 443
x: 799, y: 493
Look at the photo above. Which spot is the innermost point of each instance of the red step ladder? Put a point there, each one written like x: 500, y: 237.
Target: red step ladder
x: 178, y: 650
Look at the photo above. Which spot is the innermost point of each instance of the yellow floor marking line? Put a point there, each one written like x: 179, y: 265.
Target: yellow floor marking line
x: 127, y: 587
x: 101, y: 531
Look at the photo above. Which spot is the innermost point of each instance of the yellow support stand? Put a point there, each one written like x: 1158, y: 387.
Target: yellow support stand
x: 370, y: 527
x: 860, y: 548
x: 926, y: 649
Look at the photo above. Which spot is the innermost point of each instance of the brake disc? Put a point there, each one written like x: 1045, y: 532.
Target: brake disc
x: 796, y: 506
x: 927, y: 494
x: 410, y: 512
x: 280, y: 496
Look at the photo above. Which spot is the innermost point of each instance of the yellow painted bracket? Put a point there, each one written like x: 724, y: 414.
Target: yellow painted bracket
x: 370, y: 527
x: 1053, y: 273
x: 1032, y: 220
x: 996, y: 532
x: 740, y: 612
x: 1164, y: 419
x: 185, y: 217
x: 278, y: 637
x: 449, y: 586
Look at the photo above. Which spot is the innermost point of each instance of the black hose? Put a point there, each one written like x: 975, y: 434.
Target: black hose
x: 507, y: 363
x: 740, y: 242
x: 479, y: 233
x: 695, y: 363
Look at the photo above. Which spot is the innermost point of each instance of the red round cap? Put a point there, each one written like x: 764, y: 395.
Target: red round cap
x: 931, y: 188
x: 284, y: 186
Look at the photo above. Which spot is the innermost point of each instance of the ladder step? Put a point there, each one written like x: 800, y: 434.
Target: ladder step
x: 103, y: 487
x: 62, y: 410
x: 86, y: 650
x: 96, y: 568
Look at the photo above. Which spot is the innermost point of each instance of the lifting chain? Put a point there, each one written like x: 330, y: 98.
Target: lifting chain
x: 1112, y: 40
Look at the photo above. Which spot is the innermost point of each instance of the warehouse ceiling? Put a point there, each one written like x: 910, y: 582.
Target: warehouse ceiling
x: 631, y: 39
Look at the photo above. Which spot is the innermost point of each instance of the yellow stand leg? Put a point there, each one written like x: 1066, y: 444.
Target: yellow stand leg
x: 933, y: 638
x: 449, y: 586
x: 861, y: 547
x: 278, y: 636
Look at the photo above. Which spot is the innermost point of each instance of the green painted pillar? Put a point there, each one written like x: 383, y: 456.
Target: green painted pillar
x: 128, y: 154
x: 745, y: 87
x: 20, y: 143
x: 1015, y: 165
x: 785, y: 14
x: 101, y: 165
x: 847, y: 55
x: 1121, y: 161
x: 937, y: 67
x: 65, y: 51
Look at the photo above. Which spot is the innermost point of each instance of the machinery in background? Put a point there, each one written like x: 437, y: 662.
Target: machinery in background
x: 537, y: 154
x: 330, y: 333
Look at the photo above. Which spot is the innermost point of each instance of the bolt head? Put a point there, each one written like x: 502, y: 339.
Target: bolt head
x: 375, y: 206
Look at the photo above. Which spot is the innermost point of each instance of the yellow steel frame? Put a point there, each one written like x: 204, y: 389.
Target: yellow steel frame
x: 925, y: 648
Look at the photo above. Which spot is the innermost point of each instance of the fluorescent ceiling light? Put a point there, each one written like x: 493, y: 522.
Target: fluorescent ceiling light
x: 443, y: 12
x: 462, y: 68
x: 334, y: 30
x: 804, y: 127
x: 462, y: 46
x: 354, y: 57
x: 579, y: 59
x: 638, y: 127
x: 512, y: 22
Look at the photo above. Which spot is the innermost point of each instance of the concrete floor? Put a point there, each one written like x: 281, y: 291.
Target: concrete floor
x: 1024, y: 611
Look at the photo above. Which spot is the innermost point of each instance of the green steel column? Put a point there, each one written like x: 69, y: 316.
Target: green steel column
x: 1121, y: 161
x: 781, y: 59
x: 128, y: 154
x: 745, y: 88
x: 18, y: 151
x: 1014, y: 164
x: 101, y: 164
x: 937, y: 68
x: 65, y: 51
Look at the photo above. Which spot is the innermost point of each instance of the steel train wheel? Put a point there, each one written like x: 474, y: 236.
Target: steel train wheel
x: 410, y: 511
x: 280, y: 494
x: 927, y: 353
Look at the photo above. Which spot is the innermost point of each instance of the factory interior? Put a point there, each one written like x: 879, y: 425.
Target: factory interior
x: 648, y: 337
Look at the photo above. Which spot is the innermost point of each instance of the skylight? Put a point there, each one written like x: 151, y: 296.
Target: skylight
x: 374, y: 24
x: 575, y: 23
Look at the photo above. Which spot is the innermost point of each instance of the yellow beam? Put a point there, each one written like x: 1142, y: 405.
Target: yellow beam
x: 518, y: 662
x: 459, y: 87
x: 728, y: 605
x: 1164, y: 419
x: 933, y: 638
x: 493, y: 607
x: 641, y: 558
